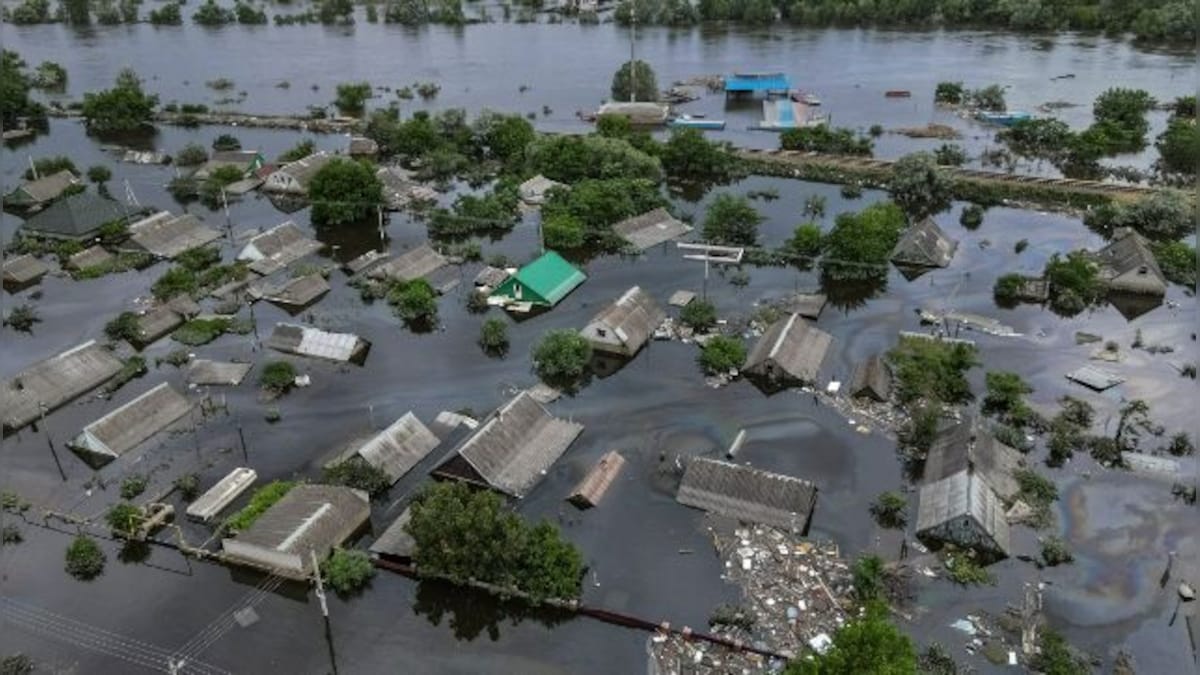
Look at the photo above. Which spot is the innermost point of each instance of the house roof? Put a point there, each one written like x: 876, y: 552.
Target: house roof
x: 747, y: 494
x: 242, y: 159
x: 965, y: 446
x: 1127, y: 252
x: 44, y: 189
x: 299, y: 292
x: 632, y: 318
x: 55, y: 381
x: 1095, y: 378
x: 167, y: 235
x: 514, y: 446
x: 91, y: 256
x: 206, y: 372
x: 156, y: 323
x: 651, y: 229
x: 308, y: 518
x: 794, y: 345
x: 400, y: 188
x: 78, y: 215
x: 395, y: 540
x: 591, y: 489
x: 415, y: 264
x: 308, y: 341
x: 23, y: 269
x: 277, y: 248
x: 303, y: 170
x: 130, y: 425
x: 549, y: 277
x: 924, y: 244
x: 491, y: 277
x: 807, y: 305
x: 872, y: 377
x: 221, y: 494
x: 963, y: 494
x: 396, y: 449
x: 765, y: 81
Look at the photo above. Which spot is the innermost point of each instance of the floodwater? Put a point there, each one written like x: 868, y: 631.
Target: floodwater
x: 648, y: 555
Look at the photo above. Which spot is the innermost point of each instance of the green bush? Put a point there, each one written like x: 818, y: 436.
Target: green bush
x: 972, y: 216
x: 191, y: 154
x: 197, y: 332
x: 84, y: 559
x: 1055, y: 657
x: 46, y: 166
x: 920, y: 186
x: 226, y: 143
x: 22, y: 317
x: 950, y: 154
x: 124, y: 519
x: 299, y: 151
x: 493, y: 336
x: 890, y: 510
x: 932, y: 370
x: 188, y: 485
x: 199, y: 258
x: 868, y: 578
x: 867, y: 644
x: 344, y: 192
x: 561, y: 357
x: 963, y: 570
x: 352, y: 97
x: 699, y: 315
x: 637, y: 80
x: 949, y: 93
x: 731, y: 220
x: 1074, y: 282
x: 348, y: 572
x: 1008, y: 288
x: 722, y: 354
x: 134, y: 485
x: 277, y: 376
x: 822, y: 138
x: 1055, y: 552
x: 174, y: 282
x: 688, y: 155
x: 864, y: 238
x: 99, y: 174
x: 125, y: 107
x: 263, y: 499
x: 415, y: 302
x: 806, y: 242
x: 1005, y: 397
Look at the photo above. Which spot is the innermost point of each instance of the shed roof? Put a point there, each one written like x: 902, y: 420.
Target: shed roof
x: 651, y: 229
x: 205, y: 372
x: 299, y: 292
x: 591, y: 489
x: 795, y: 346
x: 415, y: 264
x: 278, y: 247
x: 77, y: 216
x: 220, y: 495
x: 872, y: 378
x: 246, y: 160
x: 308, y: 518
x: 395, y: 540
x: 167, y: 235
x: 965, y: 446
x: 156, y: 323
x: 807, y: 305
x: 491, y: 277
x: 23, y: 269
x: 511, y: 449
x: 632, y: 318
x: 1127, y: 252
x: 396, y: 449
x: 365, y: 261
x: 130, y: 425
x: 963, y: 494
x: 550, y: 277
x: 309, y: 341
x: 1095, y: 378
x: 924, y: 244
x: 757, y: 81
x: 54, y: 382
x: 92, y: 256
x: 748, y: 494
x: 42, y: 190
x: 303, y: 170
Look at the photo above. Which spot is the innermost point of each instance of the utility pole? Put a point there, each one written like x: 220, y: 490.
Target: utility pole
x: 242, y: 438
x: 632, y: 58
x: 228, y: 220
x: 324, y: 610
x: 46, y: 430
x: 382, y: 234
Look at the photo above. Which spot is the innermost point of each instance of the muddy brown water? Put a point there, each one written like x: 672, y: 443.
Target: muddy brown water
x: 1120, y: 525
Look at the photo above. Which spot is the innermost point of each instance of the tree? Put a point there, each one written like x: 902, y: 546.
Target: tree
x: 990, y: 97
x: 85, y: 560
x: 298, y: 151
x: 352, y: 97
x: 15, y: 85
x: 212, y: 14
x: 169, y: 14
x: 950, y: 154
x: 596, y: 205
x: 823, y: 138
x: 50, y: 76
x: 870, y: 644
x: 919, y: 186
x: 806, y: 242
x: 700, y: 315
x: 640, y: 82
x: 348, y: 572
x: 125, y: 107
x: 335, y: 11
x: 890, y: 510
x: 972, y: 217
x: 493, y: 336
x: 561, y: 357
x: 570, y: 159
x: 1055, y: 657
x: 931, y: 370
x: 731, y: 220
x: 226, y: 142
x: 415, y: 302
x: 1074, y: 282
x: 949, y: 93
x: 22, y: 317
x: 868, y: 578
x: 688, y: 155
x: 278, y: 376
x: 1006, y: 397
x: 124, y: 519
x: 505, y: 136
x: 247, y: 14
x: 357, y: 473
x: 191, y: 154
x: 722, y: 354
x: 76, y: 12
x: 123, y: 327
x: 99, y: 174
x: 563, y: 232
x: 1121, y: 114
x: 866, y: 237
x: 1161, y: 216
x: 343, y: 192
x: 1179, y: 146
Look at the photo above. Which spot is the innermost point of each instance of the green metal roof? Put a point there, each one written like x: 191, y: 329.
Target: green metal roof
x: 549, y: 277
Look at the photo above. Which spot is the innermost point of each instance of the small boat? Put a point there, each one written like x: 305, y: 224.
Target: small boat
x: 897, y: 93
x: 690, y: 122
x: 1004, y: 119
x: 806, y: 97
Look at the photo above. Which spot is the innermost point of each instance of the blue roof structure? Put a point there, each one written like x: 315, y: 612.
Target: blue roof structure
x: 753, y: 82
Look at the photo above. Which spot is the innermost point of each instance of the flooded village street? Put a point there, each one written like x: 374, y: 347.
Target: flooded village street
x: 646, y: 555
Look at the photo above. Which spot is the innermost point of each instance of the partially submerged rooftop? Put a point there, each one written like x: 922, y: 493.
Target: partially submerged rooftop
x: 395, y: 450
x: 591, y: 489
x: 167, y: 235
x: 748, y: 494
x: 55, y: 381
x: 314, y: 342
x: 417, y: 263
x: 511, y: 449
x: 23, y: 270
x: 78, y: 216
x: 39, y: 192
x: 299, y: 292
x: 206, y: 372
x: 544, y: 281
x: 651, y: 229
x: 137, y: 421
x: 396, y: 542
x: 625, y: 325
x: 872, y: 379
x: 967, y: 446
x: 277, y: 248
x: 924, y: 244
x: 92, y: 256
x: 1094, y: 377
x: 791, y: 349
x: 962, y: 509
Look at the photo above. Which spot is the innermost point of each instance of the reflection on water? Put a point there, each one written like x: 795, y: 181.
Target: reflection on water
x: 471, y: 613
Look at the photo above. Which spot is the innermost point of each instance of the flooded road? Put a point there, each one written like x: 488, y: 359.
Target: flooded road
x: 648, y: 555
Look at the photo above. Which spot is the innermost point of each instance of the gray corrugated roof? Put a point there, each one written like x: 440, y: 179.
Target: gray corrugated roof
x: 395, y: 540
x: 924, y: 244
x: 514, y: 446
x: 167, y: 235
x: 1127, y: 252
x: 303, y: 170
x: 597, y: 481
x: 206, y: 372
x: 651, y: 228
x: 396, y: 449
x: 278, y: 247
x: 965, y: 446
x: 791, y: 347
x: 299, y: 292
x: 632, y: 318
x: 77, y: 216
x: 46, y: 188
x: 748, y: 494
x: 415, y: 264
x: 1095, y: 378
x: 23, y: 269
x: 135, y: 422
x: 807, y: 305
x: 156, y: 323
x: 55, y: 381
x: 93, y: 256
x: 872, y: 378
x: 963, y: 494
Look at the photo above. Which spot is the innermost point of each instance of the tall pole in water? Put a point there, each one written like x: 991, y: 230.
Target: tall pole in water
x: 632, y: 59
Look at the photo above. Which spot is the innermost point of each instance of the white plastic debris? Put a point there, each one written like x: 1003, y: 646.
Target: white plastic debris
x: 833, y: 387
x: 964, y: 626
x: 303, y: 380
x: 746, y: 564
x: 820, y: 643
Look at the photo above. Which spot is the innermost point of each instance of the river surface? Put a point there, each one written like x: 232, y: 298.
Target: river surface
x: 1120, y: 525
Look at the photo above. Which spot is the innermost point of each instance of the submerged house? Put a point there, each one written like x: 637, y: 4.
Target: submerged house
x: 277, y: 248
x: 166, y: 235
x: 791, y: 351
x: 591, y: 489
x: 625, y: 325
x: 963, y: 510
x: 22, y: 271
x: 750, y: 495
x: 245, y: 161
x: 395, y: 450
x: 313, y: 342
x: 543, y: 282
x: 306, y: 524
x: 396, y: 543
x: 51, y: 383
x: 132, y: 424
x: 966, y: 446
x: 400, y: 188
x: 35, y: 194
x: 651, y: 229
x: 417, y: 263
x: 361, y: 146
x: 294, y: 177
x: 1127, y: 265
x: 872, y: 379
x: 924, y: 244
x: 751, y: 83
x: 78, y: 217
x: 511, y: 449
